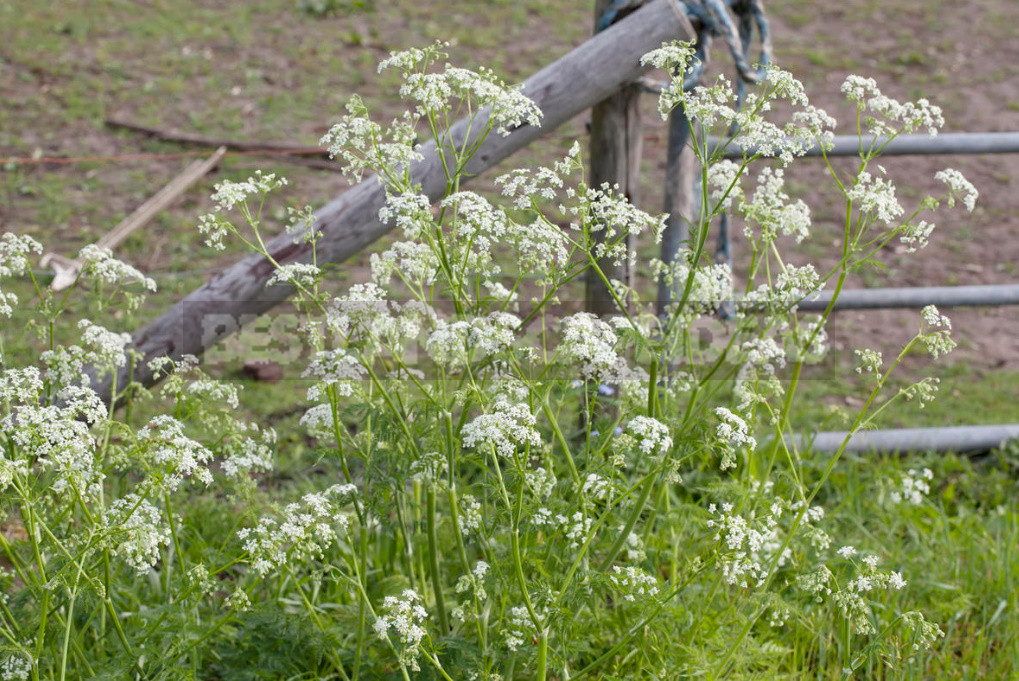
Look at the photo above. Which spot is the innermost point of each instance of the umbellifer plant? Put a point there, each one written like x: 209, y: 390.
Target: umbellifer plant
x: 521, y: 490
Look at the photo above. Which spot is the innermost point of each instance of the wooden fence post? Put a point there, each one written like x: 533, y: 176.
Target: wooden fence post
x: 616, y: 136
x: 681, y: 202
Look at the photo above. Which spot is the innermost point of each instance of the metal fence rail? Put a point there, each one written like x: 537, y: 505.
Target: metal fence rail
x: 916, y: 297
x: 910, y: 145
x: 962, y: 439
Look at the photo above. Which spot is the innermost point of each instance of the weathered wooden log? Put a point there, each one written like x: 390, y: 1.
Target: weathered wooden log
x: 350, y: 223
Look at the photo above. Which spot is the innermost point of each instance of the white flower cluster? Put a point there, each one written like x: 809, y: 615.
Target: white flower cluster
x: 229, y: 194
x: 605, y: 209
x: 772, y: 210
x: 634, y: 582
x: 470, y: 515
x: 715, y: 107
x: 478, y: 228
x: 958, y: 188
x: 176, y: 455
x: 137, y: 531
x: 575, y: 528
x: 409, y: 211
x: 300, y: 274
x: 58, y: 441
x: 15, y: 668
x: 542, y: 482
x: 106, y: 347
x: 333, y: 369
x: 808, y: 126
x: 890, y: 116
x: 915, y: 235
x: 710, y: 286
x: 365, y: 146
x: 475, y: 581
x: 653, y: 438
x: 875, y: 197
x: 307, y: 528
x: 923, y: 391
x: 406, y: 616
x: 757, y: 377
x: 913, y: 487
x: 870, y: 362
x: 596, y: 487
x: 457, y: 344
x: 414, y: 262
x: 725, y: 182
x: 732, y: 433
x: 507, y: 428
x: 748, y: 545
x: 366, y: 314
x: 14, y: 262
x: 247, y: 453
x: 935, y: 332
x: 675, y: 58
x: 509, y: 109
x: 590, y: 342
x: 98, y: 262
x: 527, y: 185
x: 215, y: 228
x: 922, y: 632
x: 520, y: 628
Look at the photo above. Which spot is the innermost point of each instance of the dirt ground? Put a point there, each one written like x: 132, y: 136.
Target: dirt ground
x: 268, y: 71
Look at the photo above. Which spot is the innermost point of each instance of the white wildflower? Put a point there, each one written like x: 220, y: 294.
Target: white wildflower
x: 305, y: 530
x: 634, y: 583
x: 98, y: 263
x: 299, y: 274
x: 915, y: 235
x: 914, y: 485
x: 748, y: 545
x: 506, y: 429
x: 176, y: 455
x: 137, y: 531
x: 875, y: 196
x: 405, y: 616
x: 652, y: 435
x: 455, y: 345
x: 336, y: 370
x: 732, y: 433
x: 590, y: 342
x: 958, y: 188
x: 229, y: 194
x: 16, y: 668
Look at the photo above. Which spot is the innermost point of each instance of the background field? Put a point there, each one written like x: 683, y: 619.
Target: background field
x: 281, y: 70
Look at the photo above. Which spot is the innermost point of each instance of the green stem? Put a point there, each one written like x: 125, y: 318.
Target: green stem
x: 638, y: 508
x: 433, y: 557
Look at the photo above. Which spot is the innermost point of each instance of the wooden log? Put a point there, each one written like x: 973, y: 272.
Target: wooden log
x: 350, y: 223
x: 615, y: 150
